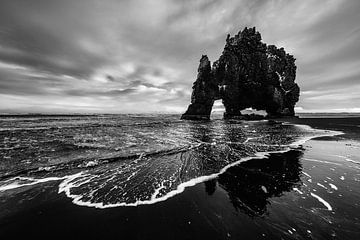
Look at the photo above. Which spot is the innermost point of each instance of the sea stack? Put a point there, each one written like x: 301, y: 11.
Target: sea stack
x: 248, y: 74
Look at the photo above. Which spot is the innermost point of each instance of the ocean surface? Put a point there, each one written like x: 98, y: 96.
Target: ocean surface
x: 125, y: 160
x: 102, y: 175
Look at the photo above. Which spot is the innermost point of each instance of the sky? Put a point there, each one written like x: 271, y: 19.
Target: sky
x: 134, y: 56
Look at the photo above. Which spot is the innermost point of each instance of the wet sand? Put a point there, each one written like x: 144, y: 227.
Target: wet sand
x: 311, y: 192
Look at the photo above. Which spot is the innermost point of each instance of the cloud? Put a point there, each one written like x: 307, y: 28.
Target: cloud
x: 142, y: 55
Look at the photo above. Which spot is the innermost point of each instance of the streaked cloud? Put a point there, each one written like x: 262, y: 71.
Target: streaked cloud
x: 142, y: 56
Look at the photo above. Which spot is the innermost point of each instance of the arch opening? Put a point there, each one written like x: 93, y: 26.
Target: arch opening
x: 249, y: 111
x: 218, y: 110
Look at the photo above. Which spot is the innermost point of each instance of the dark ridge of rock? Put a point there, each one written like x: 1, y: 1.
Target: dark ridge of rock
x: 248, y: 74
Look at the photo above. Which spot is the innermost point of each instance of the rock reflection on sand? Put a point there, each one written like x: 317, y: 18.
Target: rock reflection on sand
x: 252, y: 183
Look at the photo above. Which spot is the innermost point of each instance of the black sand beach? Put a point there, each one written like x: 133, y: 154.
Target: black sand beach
x: 311, y: 192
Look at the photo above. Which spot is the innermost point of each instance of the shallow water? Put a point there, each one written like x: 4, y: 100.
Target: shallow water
x: 127, y: 160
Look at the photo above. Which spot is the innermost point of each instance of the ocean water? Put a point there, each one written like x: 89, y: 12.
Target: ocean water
x: 106, y: 161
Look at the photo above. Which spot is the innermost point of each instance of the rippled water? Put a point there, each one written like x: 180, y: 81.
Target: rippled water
x: 126, y: 160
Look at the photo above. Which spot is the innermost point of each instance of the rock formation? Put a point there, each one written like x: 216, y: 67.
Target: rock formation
x: 248, y: 74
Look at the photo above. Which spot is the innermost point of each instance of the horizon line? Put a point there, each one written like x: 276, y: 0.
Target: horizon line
x: 109, y: 113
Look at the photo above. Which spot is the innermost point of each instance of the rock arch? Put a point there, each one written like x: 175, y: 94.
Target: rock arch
x: 248, y: 74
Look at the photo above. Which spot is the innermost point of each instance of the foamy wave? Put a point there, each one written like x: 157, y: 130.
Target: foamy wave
x: 67, y: 185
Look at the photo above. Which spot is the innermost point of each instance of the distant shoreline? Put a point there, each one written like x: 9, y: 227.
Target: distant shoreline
x: 300, y: 115
x: 350, y: 126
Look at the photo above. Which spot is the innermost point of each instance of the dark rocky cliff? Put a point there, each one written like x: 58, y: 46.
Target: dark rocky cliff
x: 248, y: 74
